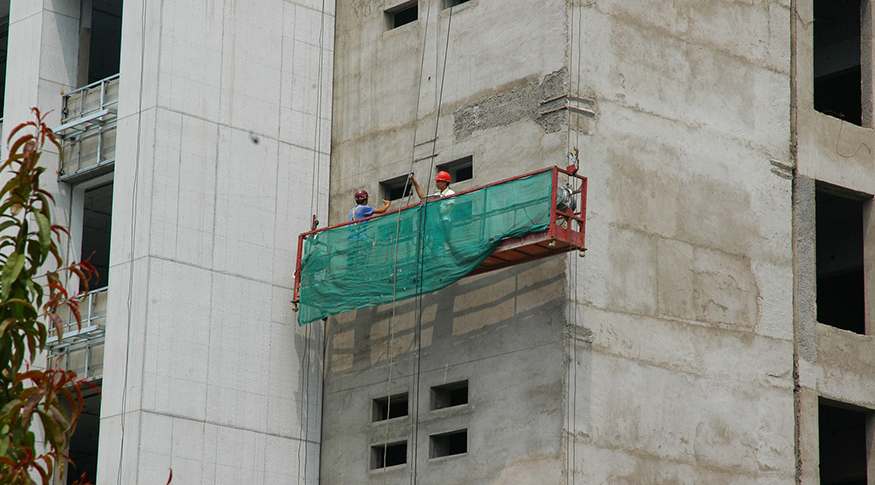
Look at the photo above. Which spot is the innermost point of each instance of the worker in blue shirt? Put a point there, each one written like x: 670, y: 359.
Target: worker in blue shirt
x: 363, y: 210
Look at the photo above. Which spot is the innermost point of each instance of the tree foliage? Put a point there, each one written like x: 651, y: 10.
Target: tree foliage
x: 32, y: 290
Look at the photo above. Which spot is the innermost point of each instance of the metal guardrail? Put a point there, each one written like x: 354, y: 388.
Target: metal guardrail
x: 81, y: 347
x: 88, y: 129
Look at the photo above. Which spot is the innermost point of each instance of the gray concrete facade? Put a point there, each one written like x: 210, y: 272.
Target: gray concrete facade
x: 666, y: 355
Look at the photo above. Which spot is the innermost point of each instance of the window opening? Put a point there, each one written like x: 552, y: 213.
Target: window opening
x: 839, y: 259
x: 393, y: 189
x: 448, y: 444
x: 83, y: 444
x: 837, y: 59
x: 392, y: 454
x: 104, y: 41
x: 460, y: 170
x: 402, y: 15
x: 390, y: 407
x: 449, y: 395
x: 96, y: 226
x: 842, y: 433
x: 453, y: 3
x: 4, y: 45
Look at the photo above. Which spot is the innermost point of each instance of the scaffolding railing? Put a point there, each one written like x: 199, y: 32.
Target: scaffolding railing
x: 88, y: 129
x: 428, y: 246
x: 81, y: 347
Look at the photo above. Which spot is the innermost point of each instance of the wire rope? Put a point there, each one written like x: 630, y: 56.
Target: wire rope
x: 314, y: 209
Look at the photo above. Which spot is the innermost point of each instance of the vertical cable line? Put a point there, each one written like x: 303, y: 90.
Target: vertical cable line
x: 314, y: 209
x: 133, y: 235
x: 421, y: 254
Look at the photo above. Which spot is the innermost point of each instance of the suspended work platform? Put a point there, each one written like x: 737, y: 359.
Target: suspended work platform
x: 427, y: 246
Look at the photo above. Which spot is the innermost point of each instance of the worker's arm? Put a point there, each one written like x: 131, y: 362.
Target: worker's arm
x: 380, y: 210
x: 419, y: 191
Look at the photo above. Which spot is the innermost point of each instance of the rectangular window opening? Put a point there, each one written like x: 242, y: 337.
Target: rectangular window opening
x: 392, y: 454
x: 102, y: 39
x: 449, y: 395
x: 96, y: 229
x: 842, y: 433
x: 839, y: 259
x: 4, y: 45
x: 396, y: 188
x: 83, y: 444
x: 390, y: 407
x: 401, y: 15
x: 453, y: 3
x: 460, y: 170
x: 837, y: 59
x: 449, y: 444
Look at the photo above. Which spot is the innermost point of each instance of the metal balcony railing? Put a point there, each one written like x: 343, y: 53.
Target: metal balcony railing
x: 88, y: 129
x: 81, y: 348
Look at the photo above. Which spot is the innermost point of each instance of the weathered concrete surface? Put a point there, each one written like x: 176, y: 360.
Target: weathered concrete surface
x: 832, y: 363
x: 687, y: 283
x: 677, y: 328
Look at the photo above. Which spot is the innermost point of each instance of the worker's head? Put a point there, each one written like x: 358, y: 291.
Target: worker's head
x: 361, y: 197
x: 442, y: 180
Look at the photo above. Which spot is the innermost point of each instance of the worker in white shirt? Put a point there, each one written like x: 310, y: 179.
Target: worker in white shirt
x: 442, y: 180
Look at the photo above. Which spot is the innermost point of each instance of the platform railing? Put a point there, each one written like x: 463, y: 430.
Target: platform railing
x: 88, y: 128
x: 81, y: 347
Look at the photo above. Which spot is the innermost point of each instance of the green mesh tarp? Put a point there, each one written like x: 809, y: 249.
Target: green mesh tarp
x: 426, y: 248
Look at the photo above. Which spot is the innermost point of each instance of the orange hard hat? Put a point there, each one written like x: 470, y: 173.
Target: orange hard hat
x: 442, y: 176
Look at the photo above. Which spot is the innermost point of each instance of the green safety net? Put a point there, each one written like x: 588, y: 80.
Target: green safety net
x: 417, y: 250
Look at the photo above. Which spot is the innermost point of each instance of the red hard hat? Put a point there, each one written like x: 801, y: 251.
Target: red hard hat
x: 361, y: 195
x: 442, y: 176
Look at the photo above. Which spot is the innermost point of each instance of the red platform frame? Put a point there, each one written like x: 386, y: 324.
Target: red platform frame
x: 561, y: 236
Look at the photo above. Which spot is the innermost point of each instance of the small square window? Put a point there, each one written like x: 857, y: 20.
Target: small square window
x: 453, y: 3
x: 391, y: 454
x: 402, y: 14
x: 449, y: 395
x: 449, y: 444
x: 389, y: 407
x: 460, y: 170
x: 396, y: 188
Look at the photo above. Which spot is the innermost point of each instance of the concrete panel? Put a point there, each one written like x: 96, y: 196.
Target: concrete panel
x: 847, y: 360
x: 245, y: 204
x: 177, y: 337
x: 132, y: 187
x: 123, y: 356
x: 140, y: 57
x: 59, y: 49
x: 191, y: 57
x: 252, y: 52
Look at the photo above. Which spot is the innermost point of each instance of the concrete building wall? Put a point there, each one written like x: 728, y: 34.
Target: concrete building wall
x: 682, y: 348
x: 222, y: 157
x: 677, y: 326
x: 487, y: 66
x: 832, y: 364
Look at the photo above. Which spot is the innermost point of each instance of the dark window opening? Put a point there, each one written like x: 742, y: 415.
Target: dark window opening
x: 449, y: 395
x: 839, y: 259
x: 390, y: 407
x: 453, y: 3
x: 837, y: 65
x: 384, y: 456
x: 460, y: 170
x: 402, y: 15
x: 104, y: 50
x: 842, y: 445
x: 4, y: 45
x: 83, y: 444
x: 96, y: 225
x: 396, y: 188
x: 448, y: 444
